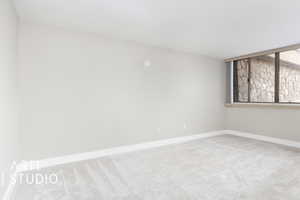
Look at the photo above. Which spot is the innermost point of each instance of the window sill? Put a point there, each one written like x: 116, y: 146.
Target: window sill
x: 270, y: 105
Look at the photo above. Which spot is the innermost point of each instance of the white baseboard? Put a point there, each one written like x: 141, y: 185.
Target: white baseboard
x: 264, y: 138
x: 23, y: 167
x: 142, y: 146
x: 113, y: 151
x: 148, y: 145
x: 130, y: 148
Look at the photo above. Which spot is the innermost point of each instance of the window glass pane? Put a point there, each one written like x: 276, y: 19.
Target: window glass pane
x: 242, y: 76
x: 289, y: 76
x: 262, y: 78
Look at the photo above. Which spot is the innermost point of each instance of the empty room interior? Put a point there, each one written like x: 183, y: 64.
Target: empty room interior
x: 149, y: 100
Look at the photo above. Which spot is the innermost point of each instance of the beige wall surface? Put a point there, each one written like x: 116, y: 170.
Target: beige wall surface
x: 83, y: 92
x: 270, y: 121
x: 9, y: 139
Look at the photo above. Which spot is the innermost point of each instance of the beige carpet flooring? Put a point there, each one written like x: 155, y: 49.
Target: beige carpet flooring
x: 218, y: 168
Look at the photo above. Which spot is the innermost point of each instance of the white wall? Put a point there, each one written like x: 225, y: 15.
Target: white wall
x: 8, y: 88
x: 82, y: 92
x: 274, y: 122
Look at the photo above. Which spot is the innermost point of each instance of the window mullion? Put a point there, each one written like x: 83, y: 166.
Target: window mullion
x: 235, y: 82
x: 249, y: 80
x: 277, y: 76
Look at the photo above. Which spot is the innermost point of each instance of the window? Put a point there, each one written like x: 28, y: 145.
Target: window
x: 241, y: 80
x: 255, y: 79
x: 289, y: 77
x: 270, y: 78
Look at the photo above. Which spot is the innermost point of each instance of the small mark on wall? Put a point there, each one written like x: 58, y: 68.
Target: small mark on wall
x: 184, y: 126
x: 147, y: 63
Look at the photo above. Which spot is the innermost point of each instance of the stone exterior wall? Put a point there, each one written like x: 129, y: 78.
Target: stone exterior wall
x: 263, y: 80
x: 289, y: 84
x: 243, y: 80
